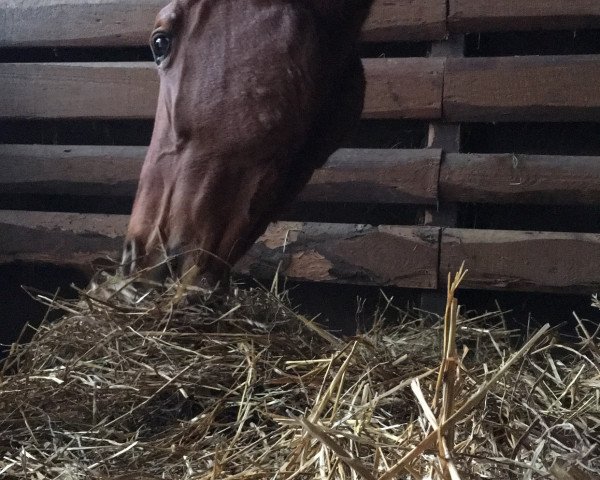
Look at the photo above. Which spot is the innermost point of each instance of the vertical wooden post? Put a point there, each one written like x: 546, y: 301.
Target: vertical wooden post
x: 445, y: 136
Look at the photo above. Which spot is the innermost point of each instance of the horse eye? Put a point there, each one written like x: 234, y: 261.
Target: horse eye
x: 161, y: 45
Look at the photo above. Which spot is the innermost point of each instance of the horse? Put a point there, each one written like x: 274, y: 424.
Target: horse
x: 254, y: 96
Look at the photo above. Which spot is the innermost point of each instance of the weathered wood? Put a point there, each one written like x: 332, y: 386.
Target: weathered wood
x: 545, y: 88
x: 113, y: 23
x: 68, y: 239
x: 523, y: 261
x: 529, y: 179
x: 357, y: 254
x: 406, y: 20
x: 404, y: 88
x: 447, y: 137
x: 350, y: 175
x: 376, y: 176
x: 499, y: 15
x: 110, y: 171
x: 397, y: 88
x: 77, y: 23
x: 78, y: 90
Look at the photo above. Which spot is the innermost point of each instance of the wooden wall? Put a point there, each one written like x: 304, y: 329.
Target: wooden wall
x: 439, y: 88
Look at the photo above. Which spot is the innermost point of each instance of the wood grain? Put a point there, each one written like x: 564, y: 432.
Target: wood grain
x: 349, y: 176
x: 357, y: 254
x: 77, y: 23
x: 404, y: 88
x: 102, y: 170
x: 114, y: 23
x: 377, y: 176
x: 499, y: 15
x: 531, y: 88
x: 406, y: 20
x: 525, y: 179
x: 68, y: 239
x: 126, y: 90
x: 523, y: 261
x: 397, y: 88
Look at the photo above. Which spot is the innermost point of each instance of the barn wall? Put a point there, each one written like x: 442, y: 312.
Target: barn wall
x: 480, y: 142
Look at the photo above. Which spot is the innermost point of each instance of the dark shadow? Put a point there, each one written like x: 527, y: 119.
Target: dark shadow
x: 564, y: 42
x: 18, y: 308
x: 532, y: 138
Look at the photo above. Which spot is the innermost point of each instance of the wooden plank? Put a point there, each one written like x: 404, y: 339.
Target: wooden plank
x: 526, y: 179
x: 377, y: 176
x: 544, y: 88
x: 406, y: 20
x: 397, y: 88
x: 126, y: 90
x: 349, y: 176
x: 69, y: 239
x: 357, y: 254
x: 404, y: 88
x: 511, y: 15
x: 110, y: 171
x: 77, y: 23
x: 523, y: 261
x: 114, y: 23
x: 446, y: 136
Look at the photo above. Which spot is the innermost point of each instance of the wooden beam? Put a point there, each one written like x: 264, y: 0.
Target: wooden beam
x: 406, y: 20
x: 127, y: 90
x: 532, y: 88
x: 81, y: 23
x: 526, y: 179
x: 511, y: 15
x: 447, y: 137
x: 523, y: 261
x: 377, y: 176
x: 356, y: 254
x: 101, y: 170
x: 397, y: 88
x: 349, y: 176
x: 404, y: 88
x: 69, y: 239
x: 118, y: 23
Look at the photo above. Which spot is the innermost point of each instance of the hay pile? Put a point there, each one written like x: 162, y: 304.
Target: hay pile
x: 245, y: 388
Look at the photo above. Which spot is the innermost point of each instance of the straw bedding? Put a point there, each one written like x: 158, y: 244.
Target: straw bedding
x: 243, y: 387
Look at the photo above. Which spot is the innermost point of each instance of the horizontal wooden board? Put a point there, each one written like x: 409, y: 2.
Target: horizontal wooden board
x: 527, y: 179
x: 69, y: 239
x: 102, y: 170
x: 404, y: 88
x: 523, y: 261
x: 357, y: 254
x: 77, y: 23
x: 101, y: 23
x: 532, y: 88
x: 510, y: 15
x: 377, y: 176
x: 406, y: 20
x: 397, y: 88
x: 78, y: 90
x: 349, y: 176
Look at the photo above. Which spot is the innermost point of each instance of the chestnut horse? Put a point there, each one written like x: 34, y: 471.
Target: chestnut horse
x: 254, y: 96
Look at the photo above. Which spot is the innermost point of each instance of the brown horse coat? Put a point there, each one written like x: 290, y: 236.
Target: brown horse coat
x: 254, y: 95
